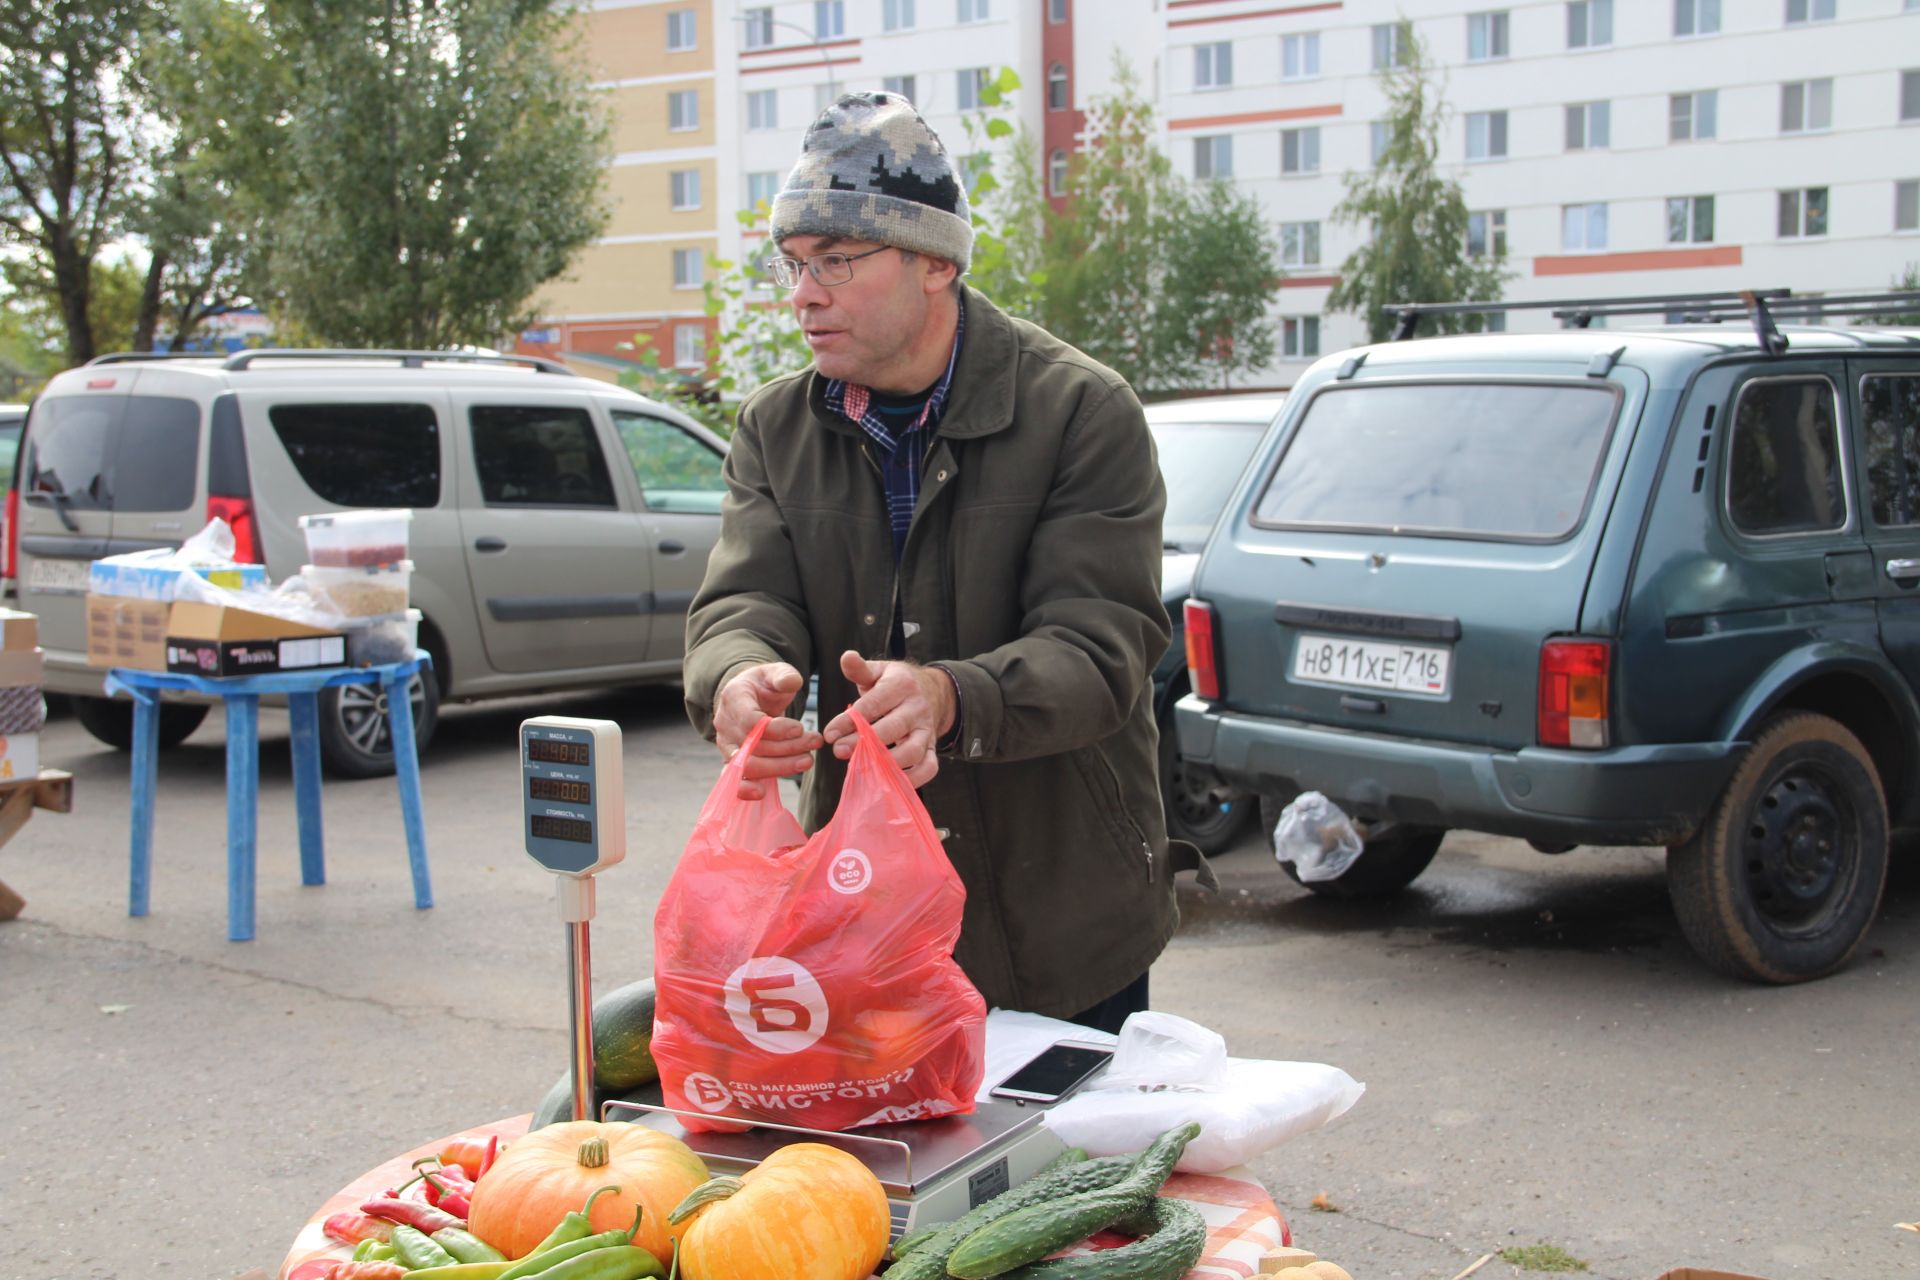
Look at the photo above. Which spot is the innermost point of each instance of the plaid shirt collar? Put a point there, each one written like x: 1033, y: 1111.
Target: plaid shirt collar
x: 854, y: 402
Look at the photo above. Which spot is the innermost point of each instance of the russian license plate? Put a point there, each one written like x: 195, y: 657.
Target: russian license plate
x: 1372, y: 664
x: 58, y: 577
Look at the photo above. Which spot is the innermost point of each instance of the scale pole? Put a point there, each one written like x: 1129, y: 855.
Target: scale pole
x: 576, y: 899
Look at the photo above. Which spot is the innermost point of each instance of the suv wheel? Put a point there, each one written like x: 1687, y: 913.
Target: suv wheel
x: 355, y: 741
x: 111, y: 720
x: 1194, y: 813
x: 1782, y: 882
x: 1385, y: 866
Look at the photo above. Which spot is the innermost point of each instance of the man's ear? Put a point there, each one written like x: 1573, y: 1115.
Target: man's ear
x: 940, y: 274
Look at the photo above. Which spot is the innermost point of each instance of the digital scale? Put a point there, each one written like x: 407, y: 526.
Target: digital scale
x: 574, y: 802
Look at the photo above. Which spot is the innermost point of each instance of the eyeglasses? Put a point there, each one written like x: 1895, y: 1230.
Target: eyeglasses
x: 828, y: 269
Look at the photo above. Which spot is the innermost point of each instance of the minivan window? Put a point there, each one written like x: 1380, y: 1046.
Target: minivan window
x: 107, y: 453
x: 1499, y: 460
x: 1200, y: 462
x: 363, y: 455
x: 677, y: 472
x: 1891, y: 407
x: 539, y: 455
x: 1783, y: 459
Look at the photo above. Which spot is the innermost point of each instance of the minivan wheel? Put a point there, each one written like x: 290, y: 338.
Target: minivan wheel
x: 1194, y: 812
x: 111, y: 720
x: 1385, y: 866
x: 1785, y: 878
x: 355, y: 741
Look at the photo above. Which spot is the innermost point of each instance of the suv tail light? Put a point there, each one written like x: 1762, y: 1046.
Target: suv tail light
x: 1572, y: 708
x: 1203, y: 668
x: 229, y: 484
x: 10, y: 536
x: 238, y: 513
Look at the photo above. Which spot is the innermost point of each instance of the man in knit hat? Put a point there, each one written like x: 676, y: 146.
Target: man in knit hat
x: 952, y: 518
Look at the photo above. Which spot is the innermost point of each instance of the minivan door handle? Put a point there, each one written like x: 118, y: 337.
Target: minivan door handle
x: 1902, y: 570
x: 668, y: 547
x: 489, y: 544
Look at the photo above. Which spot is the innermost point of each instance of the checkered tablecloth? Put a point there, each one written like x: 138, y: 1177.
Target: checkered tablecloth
x: 1242, y: 1221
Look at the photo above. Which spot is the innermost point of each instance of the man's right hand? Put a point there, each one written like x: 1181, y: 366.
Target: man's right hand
x: 755, y: 694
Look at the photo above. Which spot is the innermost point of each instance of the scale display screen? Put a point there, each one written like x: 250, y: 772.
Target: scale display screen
x: 547, y: 827
x: 558, y: 751
x: 572, y: 795
x: 565, y: 790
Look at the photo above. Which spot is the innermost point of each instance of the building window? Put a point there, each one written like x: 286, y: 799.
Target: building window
x: 686, y: 188
x: 1389, y: 47
x: 1378, y: 135
x: 1906, y: 205
x: 1806, y: 105
x: 686, y: 268
x: 1693, y: 116
x: 683, y: 30
x: 689, y: 346
x: 1583, y: 227
x: 1803, y: 212
x: 1810, y: 10
x: 1300, y: 56
x: 1690, y: 220
x: 1696, y: 17
x: 1300, y: 150
x: 683, y: 110
x: 1910, y: 95
x: 1589, y: 24
x: 1057, y: 174
x: 1486, y: 135
x: 1056, y: 11
x: 1300, y: 336
x: 759, y: 24
x: 896, y: 15
x: 1487, y: 233
x: 1213, y: 156
x: 1057, y: 87
x: 1300, y: 244
x: 1213, y: 65
x: 829, y: 19
x: 1588, y: 126
x: 971, y: 11
x: 763, y: 109
x: 761, y: 189
x: 1486, y: 35
x: 969, y: 85
x: 902, y: 85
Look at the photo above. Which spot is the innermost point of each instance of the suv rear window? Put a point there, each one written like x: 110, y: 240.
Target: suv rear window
x: 363, y: 455
x: 1482, y: 460
x: 116, y: 453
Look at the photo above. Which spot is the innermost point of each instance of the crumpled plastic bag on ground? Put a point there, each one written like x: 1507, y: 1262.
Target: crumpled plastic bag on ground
x: 1316, y: 837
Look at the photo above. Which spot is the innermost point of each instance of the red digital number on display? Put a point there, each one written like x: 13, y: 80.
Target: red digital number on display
x: 554, y: 751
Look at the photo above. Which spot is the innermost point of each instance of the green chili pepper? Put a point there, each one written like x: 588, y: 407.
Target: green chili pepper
x: 572, y: 1227
x: 465, y: 1246
x: 614, y: 1262
x: 416, y: 1249
x: 538, y: 1264
x: 373, y: 1251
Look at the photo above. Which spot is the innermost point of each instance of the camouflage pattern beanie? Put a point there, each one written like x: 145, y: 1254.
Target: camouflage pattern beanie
x: 871, y: 169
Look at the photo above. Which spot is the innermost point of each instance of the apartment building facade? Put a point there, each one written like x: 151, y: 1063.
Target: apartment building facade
x: 1606, y: 147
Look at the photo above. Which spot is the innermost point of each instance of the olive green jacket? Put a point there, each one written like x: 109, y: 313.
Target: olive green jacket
x: 1032, y: 573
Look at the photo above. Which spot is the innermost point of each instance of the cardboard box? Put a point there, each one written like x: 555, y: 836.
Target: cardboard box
x: 22, y: 667
x: 213, y: 640
x: 18, y: 631
x: 19, y: 757
x: 127, y: 576
x: 127, y: 633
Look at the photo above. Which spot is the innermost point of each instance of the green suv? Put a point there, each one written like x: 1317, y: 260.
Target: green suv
x: 1609, y: 586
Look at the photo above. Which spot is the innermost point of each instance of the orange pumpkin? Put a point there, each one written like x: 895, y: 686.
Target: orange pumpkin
x: 806, y: 1212
x: 550, y: 1172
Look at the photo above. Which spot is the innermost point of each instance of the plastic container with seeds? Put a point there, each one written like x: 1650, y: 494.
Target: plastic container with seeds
x: 363, y: 592
x: 376, y: 642
x: 340, y: 539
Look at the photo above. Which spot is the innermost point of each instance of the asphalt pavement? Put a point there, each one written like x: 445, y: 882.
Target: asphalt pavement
x: 1545, y: 1061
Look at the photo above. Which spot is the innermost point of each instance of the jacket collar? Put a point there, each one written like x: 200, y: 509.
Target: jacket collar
x: 980, y: 401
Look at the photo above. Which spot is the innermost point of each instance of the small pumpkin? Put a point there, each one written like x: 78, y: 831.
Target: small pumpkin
x: 806, y: 1212
x: 550, y: 1172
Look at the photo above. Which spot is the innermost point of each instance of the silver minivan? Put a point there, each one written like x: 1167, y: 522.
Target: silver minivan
x: 560, y: 524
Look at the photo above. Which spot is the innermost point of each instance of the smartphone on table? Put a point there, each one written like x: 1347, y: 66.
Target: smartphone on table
x: 1054, y: 1072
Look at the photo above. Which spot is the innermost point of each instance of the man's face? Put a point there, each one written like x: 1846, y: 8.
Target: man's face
x: 870, y: 329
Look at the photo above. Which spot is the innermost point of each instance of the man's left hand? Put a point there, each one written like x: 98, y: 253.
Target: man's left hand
x: 909, y: 706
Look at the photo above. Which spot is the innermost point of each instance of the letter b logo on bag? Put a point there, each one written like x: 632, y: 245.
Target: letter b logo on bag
x: 776, y: 1004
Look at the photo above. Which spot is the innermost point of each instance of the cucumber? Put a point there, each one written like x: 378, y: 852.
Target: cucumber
x: 1028, y: 1235
x: 1173, y: 1236
x: 928, y: 1261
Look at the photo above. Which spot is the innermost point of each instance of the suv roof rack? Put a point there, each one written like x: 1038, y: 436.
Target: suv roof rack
x: 241, y: 360
x: 141, y: 357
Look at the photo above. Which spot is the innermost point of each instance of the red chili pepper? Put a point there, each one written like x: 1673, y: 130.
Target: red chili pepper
x: 471, y: 1154
x: 366, y: 1271
x: 493, y: 1153
x: 352, y: 1228
x: 451, y: 1197
x: 415, y: 1213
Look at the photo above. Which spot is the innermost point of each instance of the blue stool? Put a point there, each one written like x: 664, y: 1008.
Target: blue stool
x: 241, y: 695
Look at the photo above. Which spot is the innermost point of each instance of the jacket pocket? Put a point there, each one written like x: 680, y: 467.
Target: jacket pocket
x: 1110, y: 803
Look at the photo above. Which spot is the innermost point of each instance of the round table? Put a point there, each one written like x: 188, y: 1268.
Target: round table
x: 1243, y: 1223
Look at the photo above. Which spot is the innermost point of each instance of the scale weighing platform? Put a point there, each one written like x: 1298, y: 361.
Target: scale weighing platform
x: 934, y: 1171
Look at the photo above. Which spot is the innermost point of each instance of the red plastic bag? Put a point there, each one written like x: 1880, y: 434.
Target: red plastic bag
x: 812, y: 982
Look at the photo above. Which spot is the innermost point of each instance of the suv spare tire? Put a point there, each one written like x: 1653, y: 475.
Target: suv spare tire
x: 355, y: 740
x: 1385, y: 866
x: 111, y: 720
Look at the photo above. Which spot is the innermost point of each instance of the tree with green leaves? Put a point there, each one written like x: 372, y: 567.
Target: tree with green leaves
x: 1416, y: 217
x: 450, y: 159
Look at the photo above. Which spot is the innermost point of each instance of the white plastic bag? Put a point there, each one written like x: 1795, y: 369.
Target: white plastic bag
x: 1158, y: 1050
x: 1316, y: 837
